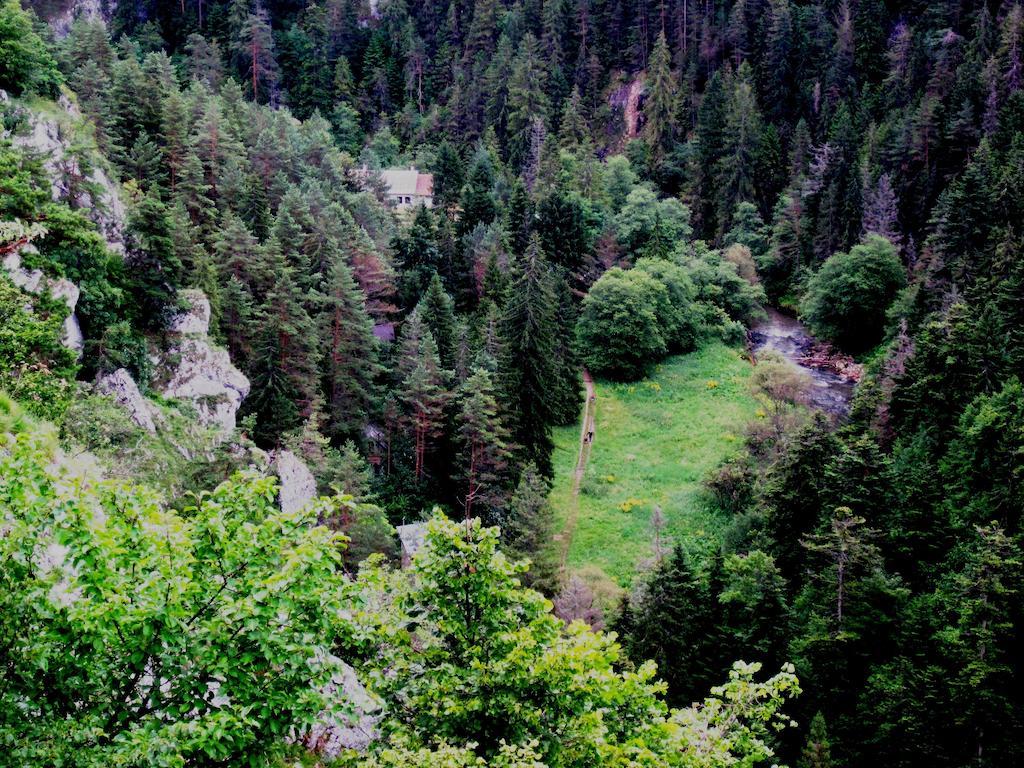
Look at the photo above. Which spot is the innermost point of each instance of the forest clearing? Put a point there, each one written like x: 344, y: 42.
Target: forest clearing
x: 655, y: 440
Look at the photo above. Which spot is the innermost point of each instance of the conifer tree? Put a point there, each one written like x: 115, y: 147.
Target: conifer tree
x: 527, y: 99
x: 484, y: 456
x: 661, y: 106
x: 418, y: 257
x: 153, y: 263
x: 980, y: 639
x: 573, y: 133
x: 672, y: 621
x: 528, y: 368
x: 477, y: 200
x: 438, y: 313
x: 255, y: 50
x: 741, y: 141
x: 424, y: 396
x: 449, y: 174
x: 285, y: 363
x: 529, y: 525
x: 817, y: 752
x: 349, y: 354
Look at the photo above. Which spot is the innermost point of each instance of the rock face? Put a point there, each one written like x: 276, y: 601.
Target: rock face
x: 196, y: 318
x: 297, y: 484
x: 356, y: 730
x: 49, y: 138
x: 193, y: 368
x: 122, y: 388
x: 412, y: 537
x: 33, y: 281
x: 92, y: 10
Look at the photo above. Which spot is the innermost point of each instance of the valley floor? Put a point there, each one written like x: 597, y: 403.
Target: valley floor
x: 654, y: 442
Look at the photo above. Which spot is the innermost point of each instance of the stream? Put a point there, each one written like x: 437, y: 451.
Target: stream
x: 786, y: 335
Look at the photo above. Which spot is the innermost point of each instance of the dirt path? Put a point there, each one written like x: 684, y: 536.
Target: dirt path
x: 587, y: 433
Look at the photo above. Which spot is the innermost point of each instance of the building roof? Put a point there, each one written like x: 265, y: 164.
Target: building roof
x: 425, y: 184
x: 407, y: 181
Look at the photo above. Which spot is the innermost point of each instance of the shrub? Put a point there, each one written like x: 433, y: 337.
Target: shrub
x: 233, y: 597
x: 678, y: 315
x: 619, y: 333
x: 35, y: 368
x: 847, y: 298
x: 25, y: 62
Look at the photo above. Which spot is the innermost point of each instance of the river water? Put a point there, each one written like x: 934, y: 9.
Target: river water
x: 786, y: 335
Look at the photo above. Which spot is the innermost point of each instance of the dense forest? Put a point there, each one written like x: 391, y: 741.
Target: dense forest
x: 614, y: 183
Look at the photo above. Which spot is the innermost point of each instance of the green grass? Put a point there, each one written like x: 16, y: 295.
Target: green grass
x: 656, y: 440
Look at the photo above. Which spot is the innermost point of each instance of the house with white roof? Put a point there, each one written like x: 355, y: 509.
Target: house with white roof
x: 405, y: 187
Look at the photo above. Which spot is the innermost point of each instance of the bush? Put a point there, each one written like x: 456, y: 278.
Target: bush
x: 25, y: 61
x: 35, y: 368
x: 678, y: 315
x: 135, y: 587
x: 619, y: 333
x: 718, y: 282
x: 847, y: 298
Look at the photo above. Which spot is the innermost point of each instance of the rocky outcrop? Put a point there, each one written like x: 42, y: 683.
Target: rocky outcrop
x: 91, y: 10
x: 297, y: 486
x: 195, y: 318
x: 412, y: 537
x: 95, y: 194
x: 627, y: 99
x: 357, y: 729
x: 33, y: 281
x: 193, y: 368
x: 120, y: 386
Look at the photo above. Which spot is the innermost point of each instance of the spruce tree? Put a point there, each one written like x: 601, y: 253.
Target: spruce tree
x: 527, y: 99
x: 672, y: 621
x: 438, y: 313
x: 349, y: 355
x: 285, y: 364
x: 477, y: 201
x: 484, y: 455
x: 662, y: 92
x: 152, y: 262
x: 528, y: 367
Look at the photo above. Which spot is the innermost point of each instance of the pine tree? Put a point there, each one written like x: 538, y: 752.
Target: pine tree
x: 349, y: 359
x: 528, y: 368
x: 662, y: 94
x: 527, y: 99
x: 285, y: 364
x: 438, y: 313
x: 484, y: 451
x: 424, y: 396
x: 254, y: 48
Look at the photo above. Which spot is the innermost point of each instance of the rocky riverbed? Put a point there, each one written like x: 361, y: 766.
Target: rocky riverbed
x: 833, y: 375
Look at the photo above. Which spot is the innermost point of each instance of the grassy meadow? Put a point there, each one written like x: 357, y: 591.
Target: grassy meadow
x: 656, y: 440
